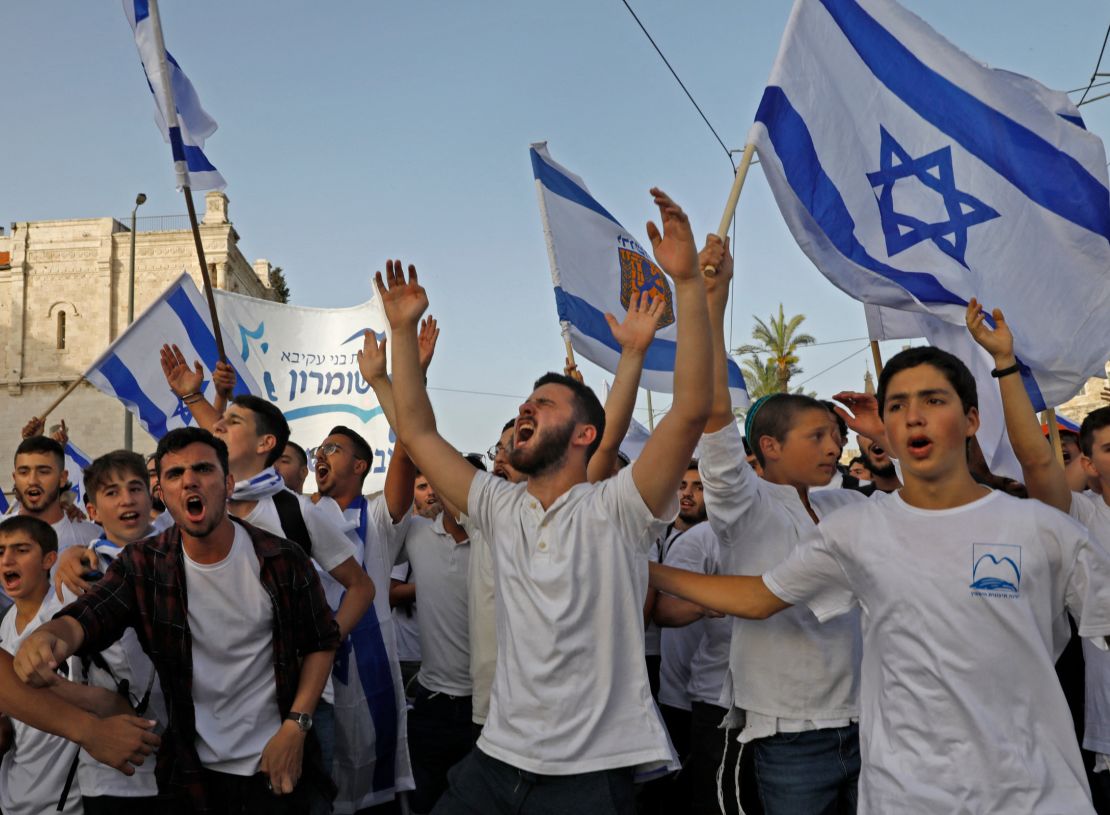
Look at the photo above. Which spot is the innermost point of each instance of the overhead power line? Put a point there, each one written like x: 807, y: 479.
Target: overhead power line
x: 1094, y: 73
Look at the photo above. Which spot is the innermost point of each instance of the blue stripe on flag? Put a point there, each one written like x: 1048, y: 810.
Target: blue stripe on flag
x: 590, y: 321
x: 1075, y: 120
x: 196, y: 161
x: 562, y: 186
x: 127, y: 389
x: 4, y: 505
x: 177, y: 147
x: 822, y: 200
x: 1045, y: 174
x: 142, y: 11
x: 200, y: 335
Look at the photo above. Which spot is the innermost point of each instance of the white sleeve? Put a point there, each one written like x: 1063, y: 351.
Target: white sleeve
x: 489, y: 497
x: 813, y: 576
x: 688, y: 552
x: 392, y: 535
x: 621, y: 504
x: 400, y: 572
x: 330, y: 545
x: 730, y: 485
x: 1087, y: 591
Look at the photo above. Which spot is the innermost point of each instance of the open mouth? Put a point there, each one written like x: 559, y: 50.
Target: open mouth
x: 525, y: 429
x: 129, y: 517
x: 194, y: 508
x: 322, y: 471
x: 32, y: 492
x: 919, y: 446
x: 12, y: 580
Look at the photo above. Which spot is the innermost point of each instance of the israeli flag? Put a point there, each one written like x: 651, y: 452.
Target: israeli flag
x: 130, y: 369
x: 76, y: 462
x: 181, y: 120
x: 915, y: 177
x: 596, y: 266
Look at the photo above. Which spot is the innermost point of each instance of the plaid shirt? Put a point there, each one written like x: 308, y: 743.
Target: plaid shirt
x: 144, y: 588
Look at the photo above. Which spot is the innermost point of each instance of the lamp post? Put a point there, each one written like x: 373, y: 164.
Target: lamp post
x: 140, y: 199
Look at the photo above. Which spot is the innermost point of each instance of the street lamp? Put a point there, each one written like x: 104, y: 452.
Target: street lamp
x: 140, y: 199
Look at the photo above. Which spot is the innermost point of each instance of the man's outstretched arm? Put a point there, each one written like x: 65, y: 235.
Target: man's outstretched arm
x: 185, y: 382
x: 666, y: 455
x: 404, y: 301
x: 744, y: 596
x: 1043, y: 474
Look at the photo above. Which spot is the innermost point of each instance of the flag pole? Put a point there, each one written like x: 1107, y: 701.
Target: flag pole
x: 733, y: 198
x: 72, y: 387
x: 877, y: 357
x: 174, y: 130
x: 651, y: 413
x: 1049, y: 417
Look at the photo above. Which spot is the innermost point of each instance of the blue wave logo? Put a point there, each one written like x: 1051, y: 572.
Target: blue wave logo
x: 358, y: 335
x: 996, y: 568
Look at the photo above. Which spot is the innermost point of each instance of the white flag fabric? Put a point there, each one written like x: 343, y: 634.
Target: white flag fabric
x: 184, y: 124
x: 76, y: 462
x: 596, y: 266
x: 890, y: 324
x: 301, y: 359
x: 917, y: 178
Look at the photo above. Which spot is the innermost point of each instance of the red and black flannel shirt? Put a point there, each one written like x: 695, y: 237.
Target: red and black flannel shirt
x: 144, y: 588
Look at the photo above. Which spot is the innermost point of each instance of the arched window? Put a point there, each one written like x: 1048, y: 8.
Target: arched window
x: 61, y: 330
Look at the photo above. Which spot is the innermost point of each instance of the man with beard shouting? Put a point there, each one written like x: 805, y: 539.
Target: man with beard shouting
x: 39, y: 476
x: 571, y: 715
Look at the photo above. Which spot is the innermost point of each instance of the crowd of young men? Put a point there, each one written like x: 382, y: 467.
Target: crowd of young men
x: 756, y: 629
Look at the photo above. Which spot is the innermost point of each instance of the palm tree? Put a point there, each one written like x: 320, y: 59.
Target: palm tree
x: 779, y: 341
x: 759, y: 376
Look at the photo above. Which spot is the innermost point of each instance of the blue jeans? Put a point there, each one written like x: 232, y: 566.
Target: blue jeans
x: 810, y: 773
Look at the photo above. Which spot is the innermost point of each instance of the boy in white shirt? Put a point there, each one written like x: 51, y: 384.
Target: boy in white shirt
x: 571, y: 713
x: 960, y: 590
x: 33, y: 772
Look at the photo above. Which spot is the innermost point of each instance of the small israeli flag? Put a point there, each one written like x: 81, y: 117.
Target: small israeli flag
x: 178, y: 112
x: 130, y: 370
x: 596, y: 266
x: 917, y: 178
x: 76, y: 462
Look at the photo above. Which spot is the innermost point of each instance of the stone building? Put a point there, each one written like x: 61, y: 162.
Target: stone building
x: 1086, y: 400
x: 63, y: 299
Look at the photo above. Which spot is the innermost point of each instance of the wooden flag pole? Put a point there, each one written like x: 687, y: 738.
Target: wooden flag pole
x: 72, y: 387
x: 207, y: 278
x: 1049, y: 418
x: 733, y: 199
x: 651, y: 413
x: 877, y: 357
x: 570, y: 350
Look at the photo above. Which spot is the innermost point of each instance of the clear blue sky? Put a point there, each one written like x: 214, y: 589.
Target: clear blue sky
x: 352, y: 132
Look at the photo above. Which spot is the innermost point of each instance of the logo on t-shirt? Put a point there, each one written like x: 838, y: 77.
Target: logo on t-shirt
x: 995, y: 569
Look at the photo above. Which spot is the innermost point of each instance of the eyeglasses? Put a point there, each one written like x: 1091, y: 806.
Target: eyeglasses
x: 491, y: 453
x: 329, y: 449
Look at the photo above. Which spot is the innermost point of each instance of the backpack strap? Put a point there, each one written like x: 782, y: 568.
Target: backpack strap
x: 292, y: 520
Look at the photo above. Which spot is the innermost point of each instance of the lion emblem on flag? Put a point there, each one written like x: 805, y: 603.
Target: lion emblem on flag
x: 638, y: 274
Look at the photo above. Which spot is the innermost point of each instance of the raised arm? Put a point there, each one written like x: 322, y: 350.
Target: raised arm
x: 744, y: 596
x: 1044, y: 477
x: 185, y: 382
x: 404, y: 301
x: 716, y: 254
x: 634, y: 335
x: 666, y: 455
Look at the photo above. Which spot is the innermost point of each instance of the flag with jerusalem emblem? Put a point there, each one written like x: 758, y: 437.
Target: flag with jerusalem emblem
x: 916, y: 178
x: 597, y: 266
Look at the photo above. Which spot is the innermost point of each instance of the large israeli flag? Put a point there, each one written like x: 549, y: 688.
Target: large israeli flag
x: 916, y: 178
x: 182, y: 121
x: 130, y: 370
x: 597, y: 266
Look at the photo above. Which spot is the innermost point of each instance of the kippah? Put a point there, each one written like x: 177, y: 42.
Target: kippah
x: 750, y: 417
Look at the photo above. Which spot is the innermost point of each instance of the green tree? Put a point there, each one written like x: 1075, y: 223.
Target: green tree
x: 278, y: 284
x: 759, y: 376
x: 778, y: 340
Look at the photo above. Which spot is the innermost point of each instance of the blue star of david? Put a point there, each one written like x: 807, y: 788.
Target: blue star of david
x: 934, y: 170
x: 182, y: 409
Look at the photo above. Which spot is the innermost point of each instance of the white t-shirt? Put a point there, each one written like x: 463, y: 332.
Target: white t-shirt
x: 330, y: 545
x: 234, y: 687
x: 677, y: 645
x: 482, y: 620
x: 126, y: 660
x: 1091, y: 510
x: 570, y: 692
x: 788, y: 672
x: 33, y: 772
x: 406, y: 623
x: 440, y: 567
x: 961, y: 707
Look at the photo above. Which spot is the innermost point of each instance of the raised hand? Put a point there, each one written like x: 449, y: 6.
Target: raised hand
x: 61, y: 433
x: 999, y: 342
x: 34, y: 427
x: 182, y: 379
x: 372, y: 357
x: 640, y: 322
x: 224, y: 380
x: 864, y: 417
x: 716, y: 255
x: 571, y: 370
x: 674, y: 248
x: 426, y: 340
x: 403, y: 300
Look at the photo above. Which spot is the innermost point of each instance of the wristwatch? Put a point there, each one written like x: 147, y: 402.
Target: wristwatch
x: 303, y: 720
